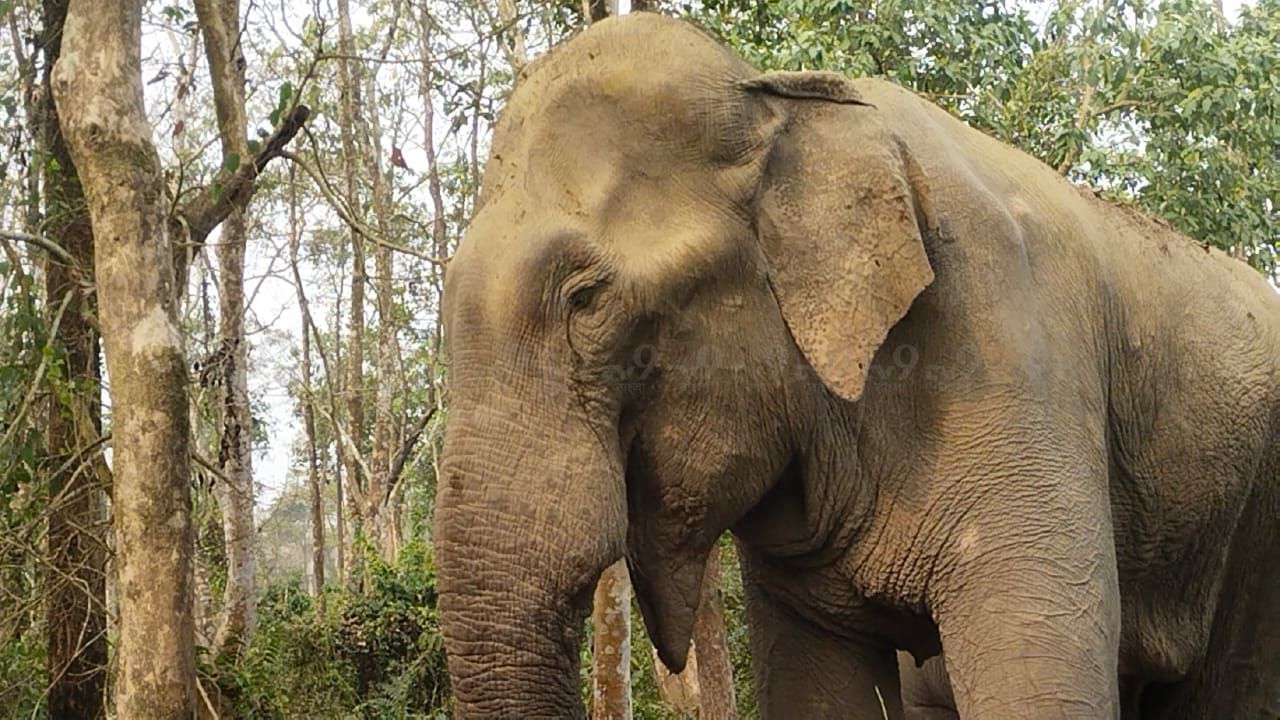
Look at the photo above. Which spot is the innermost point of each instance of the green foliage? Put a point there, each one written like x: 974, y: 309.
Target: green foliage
x: 283, y: 100
x: 23, y: 677
x: 23, y: 338
x: 373, y: 654
x: 23, y: 346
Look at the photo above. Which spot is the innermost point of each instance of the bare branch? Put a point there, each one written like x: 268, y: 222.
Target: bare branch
x: 45, y: 244
x: 347, y: 216
x: 395, y: 470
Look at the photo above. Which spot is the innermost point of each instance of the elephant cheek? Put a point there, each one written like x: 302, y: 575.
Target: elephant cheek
x: 668, y: 590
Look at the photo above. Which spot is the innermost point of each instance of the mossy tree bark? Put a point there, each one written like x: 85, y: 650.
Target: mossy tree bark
x: 97, y: 85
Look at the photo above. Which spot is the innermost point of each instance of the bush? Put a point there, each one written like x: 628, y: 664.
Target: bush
x: 374, y: 654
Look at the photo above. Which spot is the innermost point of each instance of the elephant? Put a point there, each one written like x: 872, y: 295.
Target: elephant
x: 990, y: 446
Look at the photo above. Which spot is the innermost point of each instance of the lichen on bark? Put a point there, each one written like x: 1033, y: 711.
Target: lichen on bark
x: 97, y: 85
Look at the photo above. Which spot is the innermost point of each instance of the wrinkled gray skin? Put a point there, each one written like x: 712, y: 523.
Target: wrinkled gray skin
x: 944, y: 401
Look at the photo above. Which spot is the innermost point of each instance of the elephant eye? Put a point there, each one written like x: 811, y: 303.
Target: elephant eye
x: 580, y: 299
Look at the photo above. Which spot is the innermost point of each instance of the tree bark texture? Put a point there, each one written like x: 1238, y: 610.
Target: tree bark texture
x: 715, y: 666
x: 75, y: 589
x: 220, y: 29
x: 97, y: 85
x: 678, y: 690
x: 611, y: 645
x: 705, y: 686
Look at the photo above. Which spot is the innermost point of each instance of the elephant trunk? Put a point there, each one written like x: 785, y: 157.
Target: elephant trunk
x: 529, y: 514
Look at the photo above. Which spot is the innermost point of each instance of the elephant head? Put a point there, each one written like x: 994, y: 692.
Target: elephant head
x: 678, y: 265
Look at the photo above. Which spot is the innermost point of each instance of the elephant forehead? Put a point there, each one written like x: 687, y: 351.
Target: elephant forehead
x: 581, y: 148
x: 644, y: 92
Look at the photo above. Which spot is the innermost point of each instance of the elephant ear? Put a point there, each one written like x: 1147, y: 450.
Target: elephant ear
x: 839, y: 217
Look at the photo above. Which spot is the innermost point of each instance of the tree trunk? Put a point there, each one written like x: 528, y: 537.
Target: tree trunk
x: 220, y: 29
x: 715, y: 667
x: 331, y: 373
x: 75, y: 590
x: 355, y: 391
x: 97, y: 85
x: 678, y: 690
x: 308, y: 399
x: 706, y: 684
x: 377, y: 515
x: 339, y: 515
x: 513, y: 37
x: 611, y: 645
x: 374, y: 494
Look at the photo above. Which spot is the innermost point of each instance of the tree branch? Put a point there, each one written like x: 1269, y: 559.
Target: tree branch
x: 45, y: 244
x: 232, y: 190
x: 346, y: 214
x: 1121, y: 103
x: 396, y: 468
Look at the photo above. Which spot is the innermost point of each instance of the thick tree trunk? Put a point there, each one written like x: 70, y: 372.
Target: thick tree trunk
x: 220, y: 28
x: 611, y: 645
x: 97, y: 84
x: 75, y: 590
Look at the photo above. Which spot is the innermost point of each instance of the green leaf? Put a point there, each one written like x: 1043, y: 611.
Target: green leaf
x: 230, y: 162
x: 253, y: 145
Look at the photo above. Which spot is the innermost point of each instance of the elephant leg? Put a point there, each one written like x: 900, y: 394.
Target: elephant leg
x: 926, y: 690
x: 1029, y: 610
x: 1239, y: 675
x: 804, y: 671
